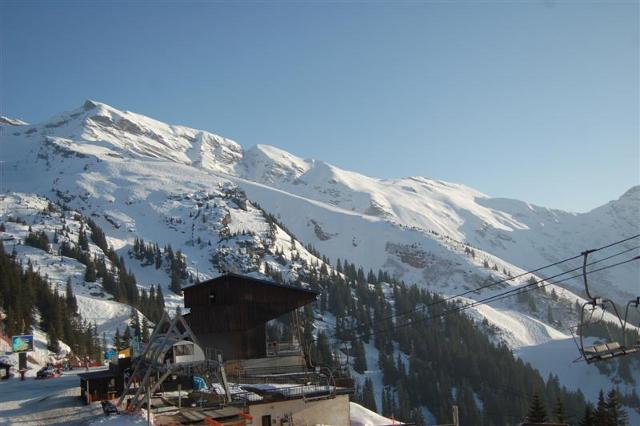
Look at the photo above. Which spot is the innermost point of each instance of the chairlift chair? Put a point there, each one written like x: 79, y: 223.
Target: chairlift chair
x: 611, y: 349
x: 635, y: 303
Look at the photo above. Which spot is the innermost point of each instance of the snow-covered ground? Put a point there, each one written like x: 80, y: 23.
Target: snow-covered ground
x: 57, y: 402
x: 45, y: 402
x: 361, y: 416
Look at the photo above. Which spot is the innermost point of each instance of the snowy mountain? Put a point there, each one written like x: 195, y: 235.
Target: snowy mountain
x: 522, y: 234
x: 204, y: 194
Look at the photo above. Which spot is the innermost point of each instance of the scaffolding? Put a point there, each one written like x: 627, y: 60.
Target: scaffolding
x: 173, y: 350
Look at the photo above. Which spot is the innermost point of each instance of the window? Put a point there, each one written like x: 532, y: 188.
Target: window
x: 185, y: 349
x: 212, y: 298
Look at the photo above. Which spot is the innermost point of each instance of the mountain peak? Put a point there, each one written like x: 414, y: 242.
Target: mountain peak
x: 270, y: 164
x: 633, y: 192
x: 89, y: 104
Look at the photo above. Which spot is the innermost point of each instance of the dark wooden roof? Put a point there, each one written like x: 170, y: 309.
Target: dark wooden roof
x: 238, y: 302
x: 252, y: 281
x: 101, y: 374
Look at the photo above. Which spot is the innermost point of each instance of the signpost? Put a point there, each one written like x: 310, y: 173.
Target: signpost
x: 21, y: 345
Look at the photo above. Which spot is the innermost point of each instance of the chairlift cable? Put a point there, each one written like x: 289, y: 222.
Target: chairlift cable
x: 448, y: 298
x: 513, y: 292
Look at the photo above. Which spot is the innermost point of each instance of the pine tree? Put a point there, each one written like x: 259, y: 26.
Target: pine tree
x: 559, y: 411
x: 387, y: 403
x: 158, y: 257
x: 70, y: 298
x: 145, y: 330
x: 38, y: 240
x: 601, y: 414
x: 550, y: 318
x: 83, y: 242
x: 53, y: 344
x: 404, y: 405
x: 90, y: 272
x: 323, y: 351
x: 537, y: 411
x: 360, y: 360
x: 615, y: 411
x: 159, y: 303
x: 134, y: 323
x: 588, y: 419
x: 117, y: 340
x: 176, y: 282
x: 126, y: 338
x: 368, y: 397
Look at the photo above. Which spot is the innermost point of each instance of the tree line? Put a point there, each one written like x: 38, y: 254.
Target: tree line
x: 29, y: 301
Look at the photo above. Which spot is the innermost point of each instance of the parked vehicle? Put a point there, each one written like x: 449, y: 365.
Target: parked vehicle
x: 47, y: 372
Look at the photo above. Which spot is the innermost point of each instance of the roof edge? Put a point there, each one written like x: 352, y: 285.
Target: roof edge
x: 250, y: 278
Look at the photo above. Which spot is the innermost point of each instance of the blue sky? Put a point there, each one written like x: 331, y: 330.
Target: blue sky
x: 536, y: 100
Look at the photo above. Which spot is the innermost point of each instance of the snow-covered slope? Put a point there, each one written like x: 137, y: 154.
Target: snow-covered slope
x: 11, y: 121
x: 199, y: 192
x: 361, y: 416
x: 520, y: 233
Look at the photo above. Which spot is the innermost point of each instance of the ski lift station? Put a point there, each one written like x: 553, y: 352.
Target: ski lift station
x: 214, y: 364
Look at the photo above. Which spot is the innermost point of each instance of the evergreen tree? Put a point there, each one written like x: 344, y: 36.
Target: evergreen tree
x: 615, y: 412
x: 324, y: 356
x: 588, y: 419
x: 559, y: 411
x: 53, y: 344
x: 360, y: 360
x: 134, y: 323
x: 90, y: 273
x: 38, y: 240
x: 601, y: 414
x: 404, y: 405
x: 83, y: 242
x: 70, y: 298
x: 417, y: 417
x: 158, y: 257
x: 145, y: 330
x: 368, y: 396
x: 387, y: 402
x: 126, y: 338
x: 550, y: 318
x: 117, y: 340
x: 176, y: 282
x: 159, y: 303
x: 537, y: 411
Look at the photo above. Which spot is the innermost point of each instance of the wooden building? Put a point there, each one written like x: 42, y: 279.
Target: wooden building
x: 229, y: 313
x: 105, y: 384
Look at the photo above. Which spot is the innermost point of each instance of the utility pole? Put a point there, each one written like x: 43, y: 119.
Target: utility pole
x: 148, y: 405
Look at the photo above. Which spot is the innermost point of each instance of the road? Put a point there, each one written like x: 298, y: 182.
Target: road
x: 45, y: 402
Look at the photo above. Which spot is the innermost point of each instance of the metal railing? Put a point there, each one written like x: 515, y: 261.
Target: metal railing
x: 283, y: 348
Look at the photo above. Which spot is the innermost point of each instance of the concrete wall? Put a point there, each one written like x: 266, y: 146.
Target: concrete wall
x: 334, y: 412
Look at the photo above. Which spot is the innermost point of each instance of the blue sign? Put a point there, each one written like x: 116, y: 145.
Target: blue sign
x: 22, y: 343
x: 110, y: 354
